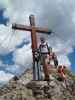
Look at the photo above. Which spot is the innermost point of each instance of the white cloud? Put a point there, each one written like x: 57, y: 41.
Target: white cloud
x: 9, y: 71
x: 63, y: 60
x: 15, y: 69
x: 5, y: 76
x: 23, y: 56
x: 4, y: 3
x: 10, y: 38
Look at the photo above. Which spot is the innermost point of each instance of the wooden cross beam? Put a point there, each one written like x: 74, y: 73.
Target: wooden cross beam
x: 33, y: 29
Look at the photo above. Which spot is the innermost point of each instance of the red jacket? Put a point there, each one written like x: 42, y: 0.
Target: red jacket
x: 61, y: 70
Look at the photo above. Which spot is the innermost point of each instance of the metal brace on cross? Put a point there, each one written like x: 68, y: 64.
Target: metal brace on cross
x: 33, y: 29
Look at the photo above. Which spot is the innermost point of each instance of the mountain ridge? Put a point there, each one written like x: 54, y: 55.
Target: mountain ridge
x: 23, y: 88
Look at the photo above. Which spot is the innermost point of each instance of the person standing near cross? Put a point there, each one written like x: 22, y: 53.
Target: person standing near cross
x: 44, y: 52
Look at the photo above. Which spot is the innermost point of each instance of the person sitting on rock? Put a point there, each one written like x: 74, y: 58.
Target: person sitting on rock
x: 61, y: 73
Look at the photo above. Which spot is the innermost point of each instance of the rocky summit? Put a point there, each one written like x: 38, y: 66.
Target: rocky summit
x: 23, y: 88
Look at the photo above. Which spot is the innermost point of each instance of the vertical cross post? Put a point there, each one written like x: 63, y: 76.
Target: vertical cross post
x: 34, y: 43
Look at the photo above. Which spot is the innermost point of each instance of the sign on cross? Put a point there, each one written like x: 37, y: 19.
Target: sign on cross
x: 33, y: 29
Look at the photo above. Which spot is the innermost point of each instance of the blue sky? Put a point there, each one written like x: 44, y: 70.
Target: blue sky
x: 71, y: 57
x: 2, y: 19
x: 6, y: 59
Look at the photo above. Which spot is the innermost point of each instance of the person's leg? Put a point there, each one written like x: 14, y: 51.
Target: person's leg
x: 39, y: 71
x: 45, y: 68
x: 56, y: 62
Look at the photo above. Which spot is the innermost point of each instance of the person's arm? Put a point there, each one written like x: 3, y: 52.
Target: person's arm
x: 39, y: 48
x: 48, y: 48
